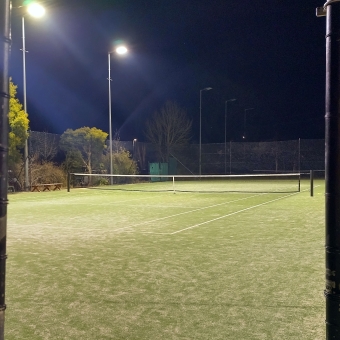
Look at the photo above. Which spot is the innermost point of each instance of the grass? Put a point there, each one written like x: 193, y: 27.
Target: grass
x: 101, y: 264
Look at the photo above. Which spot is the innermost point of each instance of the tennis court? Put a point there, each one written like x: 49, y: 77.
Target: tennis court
x: 114, y: 264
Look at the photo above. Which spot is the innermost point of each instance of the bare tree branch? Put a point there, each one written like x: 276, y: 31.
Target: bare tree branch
x: 168, y: 127
x: 43, y: 146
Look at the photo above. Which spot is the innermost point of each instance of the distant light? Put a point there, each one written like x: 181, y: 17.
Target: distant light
x: 36, y: 10
x: 121, y: 50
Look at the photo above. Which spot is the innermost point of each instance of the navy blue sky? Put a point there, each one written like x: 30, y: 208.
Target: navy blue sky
x: 270, y: 55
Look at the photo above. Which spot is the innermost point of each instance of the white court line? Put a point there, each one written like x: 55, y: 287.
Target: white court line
x: 166, y: 217
x: 233, y: 213
x: 43, y: 225
x: 186, y: 212
x: 151, y: 221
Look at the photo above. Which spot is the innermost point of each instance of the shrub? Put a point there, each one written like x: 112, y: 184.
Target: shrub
x: 47, y: 173
x: 100, y: 181
x: 123, y: 163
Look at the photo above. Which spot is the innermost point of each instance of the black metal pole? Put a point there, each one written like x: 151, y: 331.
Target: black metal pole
x: 4, y: 128
x: 225, y: 136
x: 68, y: 182
x: 332, y: 168
x: 312, y: 183
x: 299, y: 155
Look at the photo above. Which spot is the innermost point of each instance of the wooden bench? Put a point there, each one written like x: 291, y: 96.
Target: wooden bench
x: 46, y: 187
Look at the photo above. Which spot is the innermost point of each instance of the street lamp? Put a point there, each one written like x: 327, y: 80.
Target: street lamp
x: 36, y: 11
x: 200, y: 150
x: 133, y: 148
x: 225, y: 133
x: 245, y: 121
x: 121, y: 50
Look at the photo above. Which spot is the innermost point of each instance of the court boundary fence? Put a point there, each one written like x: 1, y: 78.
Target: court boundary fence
x: 218, y: 158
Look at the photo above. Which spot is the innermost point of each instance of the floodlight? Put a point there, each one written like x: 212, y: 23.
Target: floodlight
x: 36, y: 10
x: 121, y: 50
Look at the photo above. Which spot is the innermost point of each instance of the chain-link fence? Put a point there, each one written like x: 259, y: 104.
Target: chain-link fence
x: 219, y: 158
x: 245, y: 157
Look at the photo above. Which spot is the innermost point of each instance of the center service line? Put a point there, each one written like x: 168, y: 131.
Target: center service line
x: 233, y: 213
x: 185, y: 212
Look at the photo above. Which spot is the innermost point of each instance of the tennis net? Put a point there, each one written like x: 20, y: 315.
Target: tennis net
x: 261, y: 183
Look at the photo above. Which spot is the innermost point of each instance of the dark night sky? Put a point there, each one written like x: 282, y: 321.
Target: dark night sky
x: 270, y: 55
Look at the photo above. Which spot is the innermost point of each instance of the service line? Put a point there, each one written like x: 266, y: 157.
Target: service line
x: 186, y: 212
x: 233, y: 213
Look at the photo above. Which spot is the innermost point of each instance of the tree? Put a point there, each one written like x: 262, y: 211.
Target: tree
x: 43, y: 146
x: 73, y: 161
x: 18, y: 126
x: 122, y: 162
x: 90, y: 142
x: 168, y: 127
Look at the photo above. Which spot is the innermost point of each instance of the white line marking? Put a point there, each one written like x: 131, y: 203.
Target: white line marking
x: 186, y: 212
x: 233, y: 213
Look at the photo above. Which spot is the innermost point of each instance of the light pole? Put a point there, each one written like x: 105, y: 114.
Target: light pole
x: 225, y: 133
x: 200, y: 148
x: 36, y: 11
x: 119, y: 50
x: 245, y: 121
x: 134, y: 148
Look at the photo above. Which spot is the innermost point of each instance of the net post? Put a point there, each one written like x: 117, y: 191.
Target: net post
x: 68, y: 181
x: 312, y: 183
x: 173, y: 183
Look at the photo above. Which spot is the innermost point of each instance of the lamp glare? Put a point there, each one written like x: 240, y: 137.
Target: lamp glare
x: 121, y: 50
x: 36, y: 10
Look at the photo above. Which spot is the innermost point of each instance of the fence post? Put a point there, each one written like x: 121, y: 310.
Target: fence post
x: 68, y: 181
x: 230, y: 158
x: 299, y: 152
x: 332, y: 168
x: 312, y: 183
x: 5, y: 28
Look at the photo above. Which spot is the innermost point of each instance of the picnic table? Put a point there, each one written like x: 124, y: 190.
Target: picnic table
x: 46, y: 187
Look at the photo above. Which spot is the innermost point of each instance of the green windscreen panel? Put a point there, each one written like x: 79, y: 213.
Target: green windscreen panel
x: 172, y: 166
x: 163, y: 170
x: 158, y: 169
x: 154, y: 170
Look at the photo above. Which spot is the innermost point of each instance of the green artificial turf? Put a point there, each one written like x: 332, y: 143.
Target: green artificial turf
x: 102, y: 264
